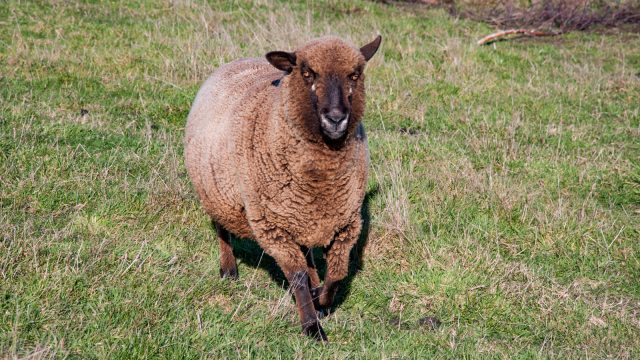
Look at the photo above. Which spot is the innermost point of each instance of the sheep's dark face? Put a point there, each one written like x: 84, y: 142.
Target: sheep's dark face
x: 326, y: 84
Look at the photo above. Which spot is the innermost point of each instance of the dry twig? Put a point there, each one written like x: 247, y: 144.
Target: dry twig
x: 523, y: 32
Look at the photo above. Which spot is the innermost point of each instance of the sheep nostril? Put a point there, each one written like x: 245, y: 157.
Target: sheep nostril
x: 336, y: 119
x: 336, y: 116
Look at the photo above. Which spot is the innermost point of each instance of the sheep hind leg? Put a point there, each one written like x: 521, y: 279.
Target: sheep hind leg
x: 314, y: 279
x: 228, y: 268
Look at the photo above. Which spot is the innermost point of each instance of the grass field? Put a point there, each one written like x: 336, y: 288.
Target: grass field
x: 504, y: 192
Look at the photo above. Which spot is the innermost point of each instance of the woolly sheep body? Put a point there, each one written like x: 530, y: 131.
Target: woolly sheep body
x: 261, y: 172
x: 253, y: 176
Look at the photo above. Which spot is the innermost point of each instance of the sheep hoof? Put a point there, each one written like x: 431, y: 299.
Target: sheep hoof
x: 231, y: 273
x: 315, y: 295
x: 323, y: 313
x: 315, y: 331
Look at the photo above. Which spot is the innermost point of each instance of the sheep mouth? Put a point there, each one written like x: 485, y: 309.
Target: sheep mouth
x: 332, y: 129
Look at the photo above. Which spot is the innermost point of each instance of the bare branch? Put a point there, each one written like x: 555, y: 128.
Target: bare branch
x: 523, y: 32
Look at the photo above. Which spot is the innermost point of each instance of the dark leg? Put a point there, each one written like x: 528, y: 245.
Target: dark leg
x: 293, y: 263
x: 299, y: 282
x: 228, y: 268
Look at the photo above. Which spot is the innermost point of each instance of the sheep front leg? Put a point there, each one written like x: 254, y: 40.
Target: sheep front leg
x: 337, y: 256
x: 299, y: 282
x: 293, y: 263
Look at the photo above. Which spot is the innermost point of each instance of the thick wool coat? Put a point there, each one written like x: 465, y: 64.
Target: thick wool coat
x: 258, y: 162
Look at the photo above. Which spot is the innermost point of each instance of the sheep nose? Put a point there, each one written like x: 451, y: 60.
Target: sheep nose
x: 336, y: 115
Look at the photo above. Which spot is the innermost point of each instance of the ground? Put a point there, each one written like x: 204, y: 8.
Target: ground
x: 504, y: 195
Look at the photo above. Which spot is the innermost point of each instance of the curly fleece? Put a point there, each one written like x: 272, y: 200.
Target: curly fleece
x: 261, y: 168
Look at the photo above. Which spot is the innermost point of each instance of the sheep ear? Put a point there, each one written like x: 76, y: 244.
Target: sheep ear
x: 370, y: 49
x: 282, y: 60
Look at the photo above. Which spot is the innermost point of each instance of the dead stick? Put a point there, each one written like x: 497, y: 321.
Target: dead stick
x: 500, y: 34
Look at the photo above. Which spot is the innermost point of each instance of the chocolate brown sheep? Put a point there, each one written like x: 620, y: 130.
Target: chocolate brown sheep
x: 277, y: 153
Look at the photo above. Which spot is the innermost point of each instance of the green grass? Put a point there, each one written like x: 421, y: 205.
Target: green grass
x: 505, y: 188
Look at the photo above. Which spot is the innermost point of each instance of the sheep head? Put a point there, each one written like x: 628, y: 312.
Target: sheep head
x: 325, y: 86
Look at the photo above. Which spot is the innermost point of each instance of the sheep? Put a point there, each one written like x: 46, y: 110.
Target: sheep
x: 277, y: 153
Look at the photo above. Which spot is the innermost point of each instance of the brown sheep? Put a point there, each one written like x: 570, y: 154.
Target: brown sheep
x: 277, y: 153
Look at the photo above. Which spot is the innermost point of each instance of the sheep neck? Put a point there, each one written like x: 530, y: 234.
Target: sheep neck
x: 305, y: 156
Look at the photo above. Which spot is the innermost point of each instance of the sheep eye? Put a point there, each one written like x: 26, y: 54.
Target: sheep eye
x: 354, y: 76
x: 306, y: 74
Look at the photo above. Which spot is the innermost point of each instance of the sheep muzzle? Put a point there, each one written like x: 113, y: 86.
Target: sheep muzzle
x: 334, y: 109
x: 334, y: 127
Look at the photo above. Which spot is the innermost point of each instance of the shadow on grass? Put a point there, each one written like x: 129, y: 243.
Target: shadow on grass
x: 250, y: 253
